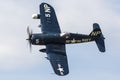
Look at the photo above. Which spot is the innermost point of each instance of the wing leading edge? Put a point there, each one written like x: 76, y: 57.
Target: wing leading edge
x: 48, y: 19
x: 58, y: 59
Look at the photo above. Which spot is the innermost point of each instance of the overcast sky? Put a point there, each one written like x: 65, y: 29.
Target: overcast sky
x: 85, y: 61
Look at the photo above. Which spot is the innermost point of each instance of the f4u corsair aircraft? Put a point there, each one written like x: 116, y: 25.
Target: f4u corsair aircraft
x: 55, y: 41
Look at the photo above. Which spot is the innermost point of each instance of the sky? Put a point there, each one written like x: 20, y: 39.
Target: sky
x: 85, y: 61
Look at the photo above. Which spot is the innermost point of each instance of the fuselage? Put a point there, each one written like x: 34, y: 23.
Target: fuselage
x: 62, y: 38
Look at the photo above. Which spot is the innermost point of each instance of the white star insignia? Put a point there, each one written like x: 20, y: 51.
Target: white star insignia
x: 60, y: 69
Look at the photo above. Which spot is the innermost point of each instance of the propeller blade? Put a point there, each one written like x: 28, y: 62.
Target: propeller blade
x: 30, y: 46
x: 29, y: 37
x: 28, y: 31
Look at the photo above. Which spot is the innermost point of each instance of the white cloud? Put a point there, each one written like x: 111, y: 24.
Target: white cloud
x: 78, y: 15
x: 14, y: 52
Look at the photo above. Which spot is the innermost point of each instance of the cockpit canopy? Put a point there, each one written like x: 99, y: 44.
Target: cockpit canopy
x: 66, y: 35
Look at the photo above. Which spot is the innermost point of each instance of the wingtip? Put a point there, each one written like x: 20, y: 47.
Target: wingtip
x: 62, y: 74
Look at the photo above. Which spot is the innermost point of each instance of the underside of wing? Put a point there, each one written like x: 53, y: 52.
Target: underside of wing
x: 48, y: 19
x: 58, y: 59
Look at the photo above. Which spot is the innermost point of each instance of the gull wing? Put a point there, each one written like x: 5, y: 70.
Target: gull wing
x: 49, y: 21
x: 58, y: 58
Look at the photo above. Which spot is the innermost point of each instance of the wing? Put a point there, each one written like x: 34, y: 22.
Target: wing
x: 58, y: 59
x: 48, y: 19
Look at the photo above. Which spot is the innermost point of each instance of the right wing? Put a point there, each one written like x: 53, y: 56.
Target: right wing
x: 58, y: 59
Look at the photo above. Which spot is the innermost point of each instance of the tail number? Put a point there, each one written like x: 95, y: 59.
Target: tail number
x: 95, y: 33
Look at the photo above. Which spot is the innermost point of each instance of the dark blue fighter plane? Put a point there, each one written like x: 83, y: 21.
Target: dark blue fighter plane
x: 55, y: 41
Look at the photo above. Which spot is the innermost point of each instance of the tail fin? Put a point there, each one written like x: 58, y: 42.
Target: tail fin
x: 99, y: 38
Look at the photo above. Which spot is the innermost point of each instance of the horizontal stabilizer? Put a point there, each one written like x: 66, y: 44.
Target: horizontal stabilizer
x: 100, y: 43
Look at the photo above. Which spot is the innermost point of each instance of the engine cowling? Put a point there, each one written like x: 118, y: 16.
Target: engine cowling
x: 36, y: 16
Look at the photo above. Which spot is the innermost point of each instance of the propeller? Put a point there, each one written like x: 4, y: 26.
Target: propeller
x: 29, y: 38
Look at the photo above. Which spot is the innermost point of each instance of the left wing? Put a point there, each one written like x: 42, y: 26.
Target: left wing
x: 48, y: 19
x: 58, y: 59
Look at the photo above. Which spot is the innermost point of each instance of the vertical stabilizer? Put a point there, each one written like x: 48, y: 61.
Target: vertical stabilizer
x: 99, y: 38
